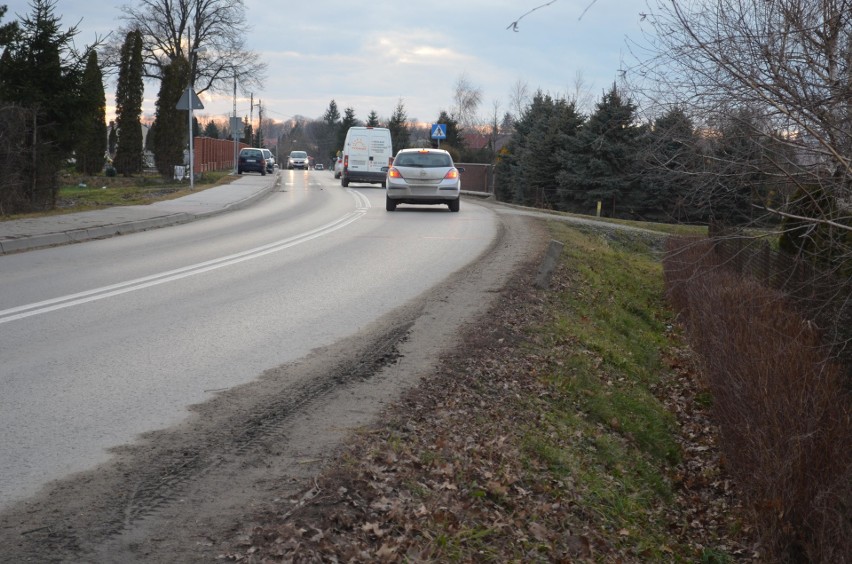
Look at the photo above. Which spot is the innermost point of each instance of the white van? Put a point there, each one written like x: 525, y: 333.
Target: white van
x: 367, y: 155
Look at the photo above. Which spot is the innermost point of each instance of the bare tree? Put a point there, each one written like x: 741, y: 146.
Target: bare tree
x: 581, y: 94
x: 788, y: 61
x: 177, y: 28
x: 519, y: 98
x: 466, y: 99
x: 778, y: 74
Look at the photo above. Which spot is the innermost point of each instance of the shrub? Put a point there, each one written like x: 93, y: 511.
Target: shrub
x: 779, y: 399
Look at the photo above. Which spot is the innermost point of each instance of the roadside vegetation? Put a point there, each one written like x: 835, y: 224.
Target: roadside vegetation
x: 81, y: 192
x: 570, y: 425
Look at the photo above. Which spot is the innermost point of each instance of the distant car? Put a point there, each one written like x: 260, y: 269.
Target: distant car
x: 423, y: 176
x: 270, y: 160
x: 338, y: 167
x: 319, y: 167
x: 251, y: 160
x: 298, y: 159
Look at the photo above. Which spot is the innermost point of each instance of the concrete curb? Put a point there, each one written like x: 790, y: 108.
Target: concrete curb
x: 27, y: 243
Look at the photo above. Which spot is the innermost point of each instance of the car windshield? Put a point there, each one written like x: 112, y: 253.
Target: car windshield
x: 298, y: 155
x: 423, y: 160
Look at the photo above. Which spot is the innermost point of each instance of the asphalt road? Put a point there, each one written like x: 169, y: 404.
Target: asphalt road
x: 104, y: 341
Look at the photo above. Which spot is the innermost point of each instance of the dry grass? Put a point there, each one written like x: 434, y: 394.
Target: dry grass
x: 780, y: 401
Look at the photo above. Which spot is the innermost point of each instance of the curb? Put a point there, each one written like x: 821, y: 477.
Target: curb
x: 17, y: 245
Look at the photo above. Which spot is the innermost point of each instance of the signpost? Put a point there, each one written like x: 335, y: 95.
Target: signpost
x: 439, y: 131
x: 189, y: 101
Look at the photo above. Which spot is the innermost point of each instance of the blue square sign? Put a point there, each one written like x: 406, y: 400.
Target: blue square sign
x: 439, y: 131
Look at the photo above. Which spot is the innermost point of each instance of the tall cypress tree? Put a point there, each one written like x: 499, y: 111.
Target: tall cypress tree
x: 92, y: 130
x: 128, y: 106
x: 171, y: 123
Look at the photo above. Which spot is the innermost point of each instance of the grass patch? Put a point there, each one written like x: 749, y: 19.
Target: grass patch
x: 79, y: 193
x: 604, y: 342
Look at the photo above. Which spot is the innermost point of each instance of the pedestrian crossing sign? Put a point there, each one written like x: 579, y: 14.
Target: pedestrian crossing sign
x: 439, y: 131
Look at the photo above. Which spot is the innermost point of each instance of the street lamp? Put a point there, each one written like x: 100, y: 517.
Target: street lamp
x: 190, y: 94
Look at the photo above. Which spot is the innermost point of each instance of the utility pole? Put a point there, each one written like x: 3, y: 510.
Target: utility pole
x: 234, y: 126
x: 259, y: 123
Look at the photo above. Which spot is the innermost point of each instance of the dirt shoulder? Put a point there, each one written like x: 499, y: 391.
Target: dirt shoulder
x: 185, y: 494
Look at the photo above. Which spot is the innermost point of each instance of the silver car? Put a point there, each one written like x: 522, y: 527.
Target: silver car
x: 270, y: 160
x: 423, y: 176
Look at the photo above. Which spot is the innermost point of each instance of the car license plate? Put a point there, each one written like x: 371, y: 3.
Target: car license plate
x: 250, y: 160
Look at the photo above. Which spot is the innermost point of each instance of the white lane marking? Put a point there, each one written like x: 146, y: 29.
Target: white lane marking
x: 29, y: 310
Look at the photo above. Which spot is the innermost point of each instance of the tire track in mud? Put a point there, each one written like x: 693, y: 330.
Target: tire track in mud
x: 151, y: 478
x: 155, y: 492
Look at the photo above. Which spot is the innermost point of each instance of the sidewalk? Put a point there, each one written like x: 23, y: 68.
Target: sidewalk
x: 27, y: 234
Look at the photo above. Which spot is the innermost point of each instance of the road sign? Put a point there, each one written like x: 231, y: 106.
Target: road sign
x: 439, y: 131
x: 183, y: 103
x: 238, y: 128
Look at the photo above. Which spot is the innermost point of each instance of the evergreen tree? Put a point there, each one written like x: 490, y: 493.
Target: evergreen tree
x: 669, y: 161
x: 332, y: 115
x: 40, y: 73
x: 171, y: 123
x: 248, y: 131
x: 739, y: 175
x: 602, y: 165
x: 329, y: 132
x: 149, y: 139
x: 212, y: 130
x: 8, y: 31
x: 398, y: 126
x: 92, y: 131
x: 349, y: 120
x: 373, y: 119
x: 551, y: 127
x: 112, y: 141
x: 128, y: 106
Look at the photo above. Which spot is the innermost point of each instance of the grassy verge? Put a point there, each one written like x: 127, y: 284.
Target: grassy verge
x: 84, y: 193
x: 566, y: 428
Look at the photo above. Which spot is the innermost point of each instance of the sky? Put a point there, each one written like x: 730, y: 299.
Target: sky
x: 370, y: 56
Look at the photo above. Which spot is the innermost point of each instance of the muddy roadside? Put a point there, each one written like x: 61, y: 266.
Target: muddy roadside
x: 183, y: 494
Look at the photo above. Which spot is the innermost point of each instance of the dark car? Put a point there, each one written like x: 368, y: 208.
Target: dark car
x: 251, y: 160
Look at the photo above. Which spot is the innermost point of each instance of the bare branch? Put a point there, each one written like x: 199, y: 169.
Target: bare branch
x: 514, y: 25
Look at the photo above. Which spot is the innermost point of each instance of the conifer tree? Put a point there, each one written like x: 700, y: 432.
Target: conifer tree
x: 171, y: 123
x: 669, y: 163
x: 551, y: 127
x: 398, y: 126
x: 602, y: 166
x: 332, y: 114
x: 128, y: 107
x: 349, y: 120
x: 40, y: 72
x: 212, y: 130
x: 92, y: 130
x: 373, y: 119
